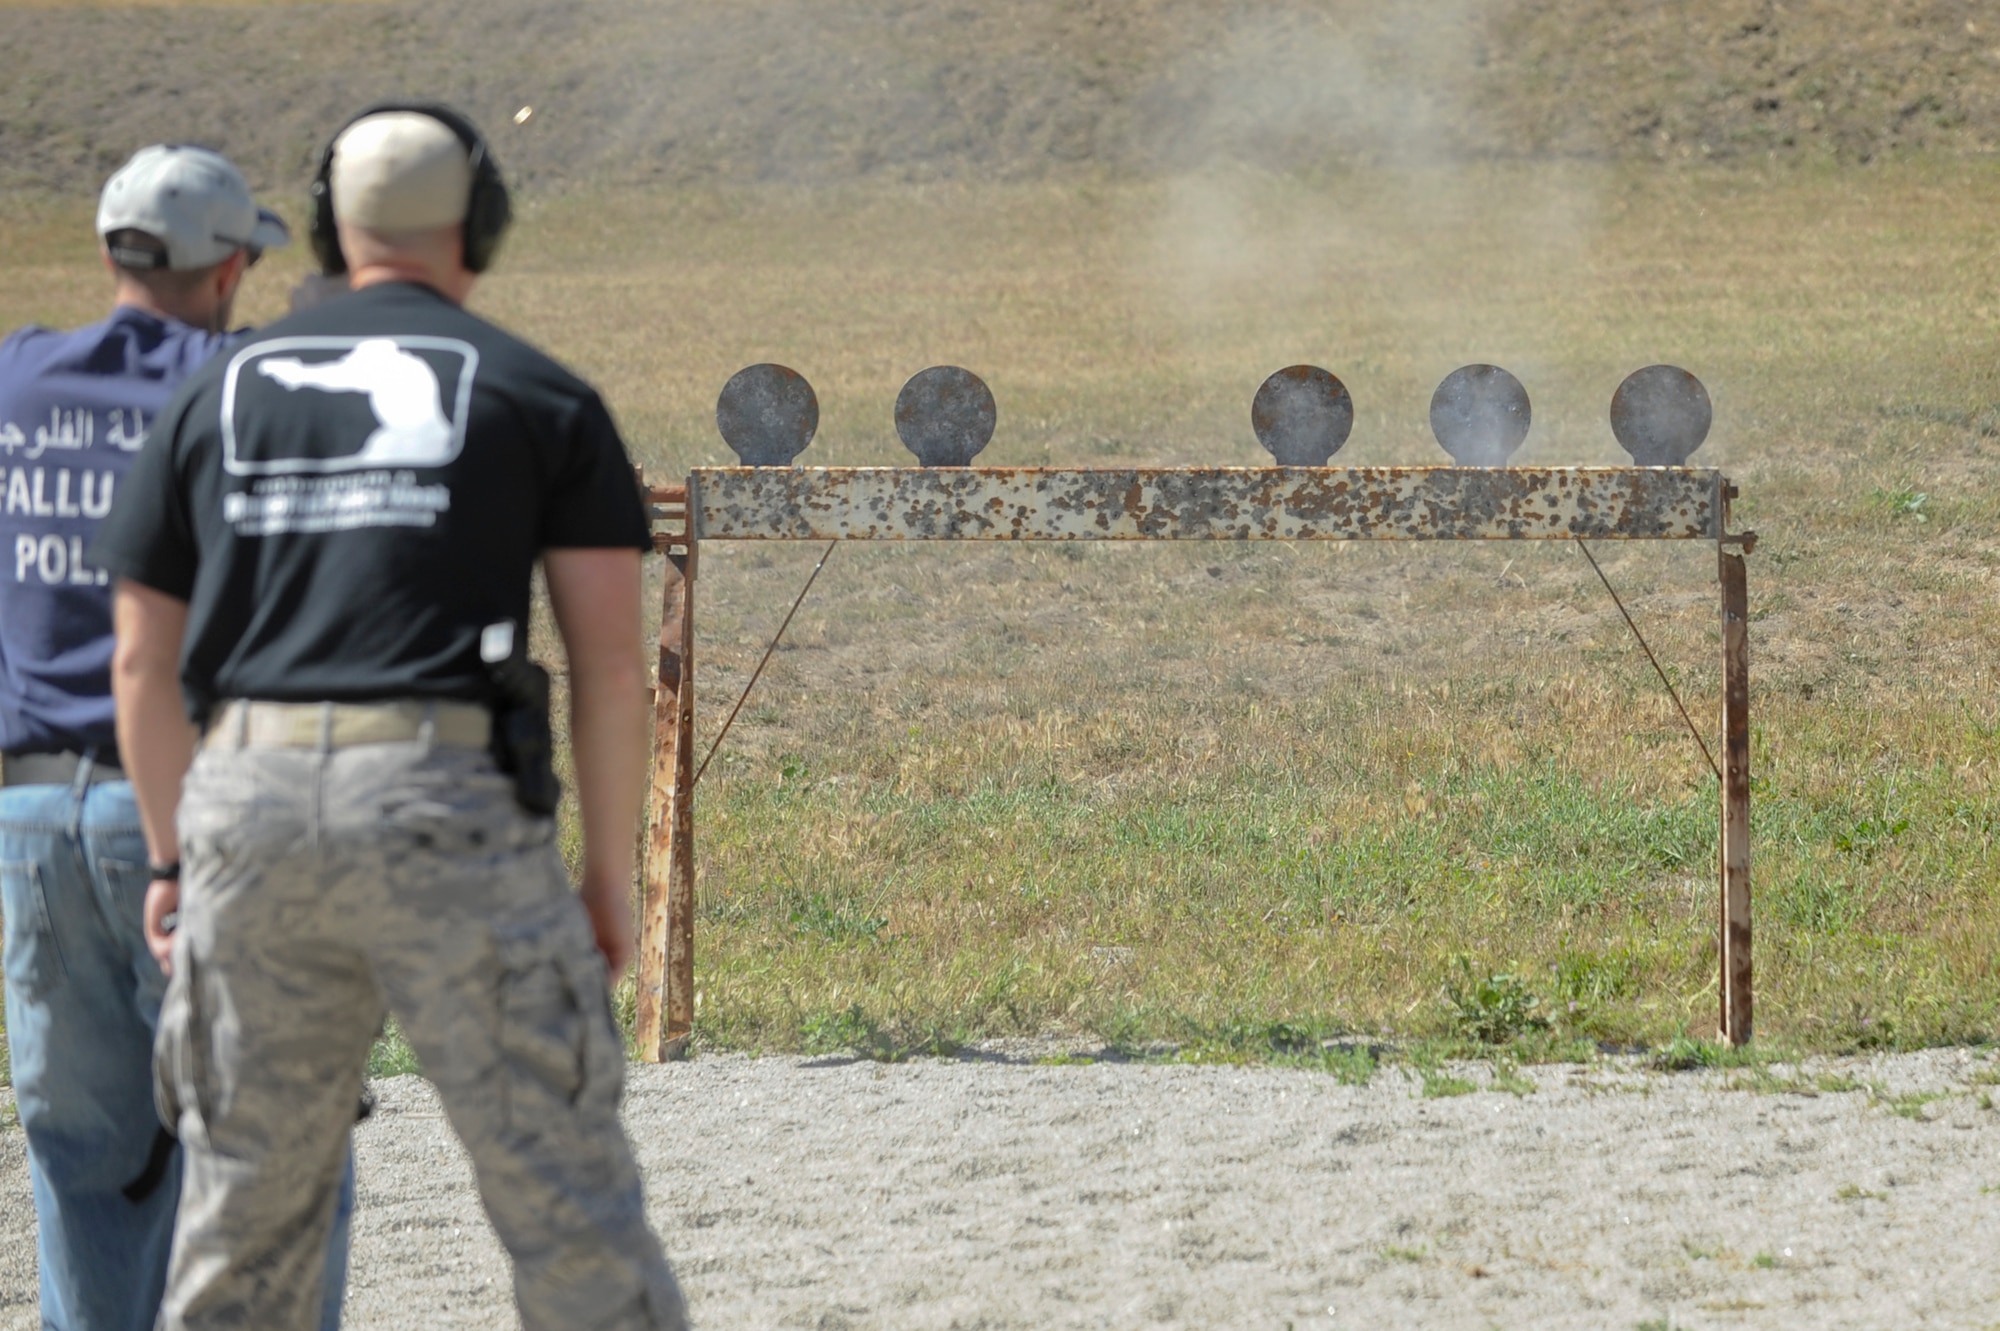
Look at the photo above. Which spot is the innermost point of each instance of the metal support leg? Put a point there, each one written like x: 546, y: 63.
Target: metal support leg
x: 680, y: 847
x: 1735, y: 852
x: 666, y: 926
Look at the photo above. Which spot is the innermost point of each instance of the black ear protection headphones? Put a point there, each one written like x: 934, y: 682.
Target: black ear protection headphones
x: 487, y: 208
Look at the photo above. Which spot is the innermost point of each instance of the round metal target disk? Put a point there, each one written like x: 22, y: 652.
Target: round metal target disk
x: 767, y: 415
x: 1302, y: 415
x: 1661, y: 415
x: 1480, y: 414
x: 945, y: 415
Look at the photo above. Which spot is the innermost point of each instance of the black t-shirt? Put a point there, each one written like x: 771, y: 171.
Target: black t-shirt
x: 353, y: 495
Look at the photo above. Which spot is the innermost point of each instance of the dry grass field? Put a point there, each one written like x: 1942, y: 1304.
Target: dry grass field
x: 1215, y: 794
x: 1243, y: 798
x: 1225, y: 795
x: 1186, y: 793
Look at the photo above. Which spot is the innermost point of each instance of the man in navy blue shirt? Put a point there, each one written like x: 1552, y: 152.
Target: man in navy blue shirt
x: 179, y: 228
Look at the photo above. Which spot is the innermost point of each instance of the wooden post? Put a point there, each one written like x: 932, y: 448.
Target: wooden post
x: 666, y: 922
x: 1735, y: 849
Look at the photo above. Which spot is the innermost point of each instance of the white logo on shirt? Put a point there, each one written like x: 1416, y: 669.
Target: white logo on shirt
x: 333, y: 432
x: 417, y: 420
x: 402, y: 391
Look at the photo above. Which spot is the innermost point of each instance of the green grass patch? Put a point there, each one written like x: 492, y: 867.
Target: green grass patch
x: 1686, y: 1054
x: 1914, y: 1105
x: 391, y: 1055
x: 1493, y: 1009
x: 1003, y: 908
x: 1439, y: 1084
x: 1508, y: 1077
x: 852, y: 1031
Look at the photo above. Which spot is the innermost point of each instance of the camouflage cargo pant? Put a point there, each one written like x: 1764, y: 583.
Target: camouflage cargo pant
x: 323, y: 888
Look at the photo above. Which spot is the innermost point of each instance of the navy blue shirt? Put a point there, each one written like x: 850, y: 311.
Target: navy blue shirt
x: 74, y: 409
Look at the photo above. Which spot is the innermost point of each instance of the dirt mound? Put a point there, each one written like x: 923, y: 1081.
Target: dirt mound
x: 677, y: 91
x: 1847, y: 79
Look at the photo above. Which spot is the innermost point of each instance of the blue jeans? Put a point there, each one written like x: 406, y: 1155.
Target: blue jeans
x: 83, y: 998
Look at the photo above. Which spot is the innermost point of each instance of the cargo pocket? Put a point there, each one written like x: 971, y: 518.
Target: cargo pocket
x: 563, y: 1059
x: 30, y: 954
x: 180, y: 1062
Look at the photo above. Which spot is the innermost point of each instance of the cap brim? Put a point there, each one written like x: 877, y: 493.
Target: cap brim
x: 270, y: 233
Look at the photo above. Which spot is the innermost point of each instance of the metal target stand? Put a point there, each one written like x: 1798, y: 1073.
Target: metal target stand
x: 945, y: 415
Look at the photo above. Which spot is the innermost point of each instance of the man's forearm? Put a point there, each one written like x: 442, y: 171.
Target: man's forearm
x: 608, y: 742
x: 595, y: 594
x: 155, y: 741
x: 155, y: 745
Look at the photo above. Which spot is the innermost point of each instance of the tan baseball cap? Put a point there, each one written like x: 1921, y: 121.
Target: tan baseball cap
x: 193, y: 201
x: 400, y: 171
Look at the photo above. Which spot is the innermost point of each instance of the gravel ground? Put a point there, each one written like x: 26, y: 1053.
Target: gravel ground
x: 1005, y: 1192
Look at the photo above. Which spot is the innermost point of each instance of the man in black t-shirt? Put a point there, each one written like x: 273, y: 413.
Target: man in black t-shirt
x: 325, y: 554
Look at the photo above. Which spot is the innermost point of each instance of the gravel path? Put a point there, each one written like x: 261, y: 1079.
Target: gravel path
x: 1001, y: 1192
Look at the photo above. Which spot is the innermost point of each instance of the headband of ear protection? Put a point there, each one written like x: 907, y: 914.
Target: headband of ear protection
x: 487, y: 208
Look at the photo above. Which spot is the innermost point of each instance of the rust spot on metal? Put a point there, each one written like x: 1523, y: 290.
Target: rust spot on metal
x: 1207, y: 503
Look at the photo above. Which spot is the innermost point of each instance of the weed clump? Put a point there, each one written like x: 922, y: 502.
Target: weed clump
x: 1492, y: 1009
x: 1283, y: 1044
x: 850, y: 1030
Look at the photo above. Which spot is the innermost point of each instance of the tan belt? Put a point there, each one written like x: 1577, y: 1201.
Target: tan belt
x: 342, y: 725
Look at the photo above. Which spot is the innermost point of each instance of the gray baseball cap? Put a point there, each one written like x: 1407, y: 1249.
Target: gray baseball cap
x: 192, y: 200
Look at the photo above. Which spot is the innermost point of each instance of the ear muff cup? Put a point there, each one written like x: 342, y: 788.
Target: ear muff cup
x: 488, y: 209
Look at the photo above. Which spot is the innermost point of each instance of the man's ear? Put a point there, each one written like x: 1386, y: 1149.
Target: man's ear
x: 230, y: 273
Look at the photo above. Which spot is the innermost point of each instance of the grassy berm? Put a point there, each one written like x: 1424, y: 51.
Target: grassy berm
x: 801, y: 91
x: 1244, y: 798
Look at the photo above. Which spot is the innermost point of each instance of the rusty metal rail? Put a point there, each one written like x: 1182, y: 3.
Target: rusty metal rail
x: 1205, y: 503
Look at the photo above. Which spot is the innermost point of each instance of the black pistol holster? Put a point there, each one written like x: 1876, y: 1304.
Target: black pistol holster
x: 522, y: 745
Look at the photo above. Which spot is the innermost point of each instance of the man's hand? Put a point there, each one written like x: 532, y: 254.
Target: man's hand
x: 163, y: 898
x: 610, y: 909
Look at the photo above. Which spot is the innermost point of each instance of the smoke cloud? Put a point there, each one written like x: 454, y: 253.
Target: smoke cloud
x: 1400, y: 251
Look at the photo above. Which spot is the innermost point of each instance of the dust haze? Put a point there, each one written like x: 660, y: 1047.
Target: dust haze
x: 1405, y: 238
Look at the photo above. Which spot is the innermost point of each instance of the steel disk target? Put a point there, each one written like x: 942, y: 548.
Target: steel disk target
x: 1480, y: 414
x: 945, y: 415
x: 1661, y: 415
x: 1302, y: 415
x: 767, y: 414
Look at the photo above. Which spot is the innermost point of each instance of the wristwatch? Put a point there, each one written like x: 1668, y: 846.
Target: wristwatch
x: 170, y: 872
